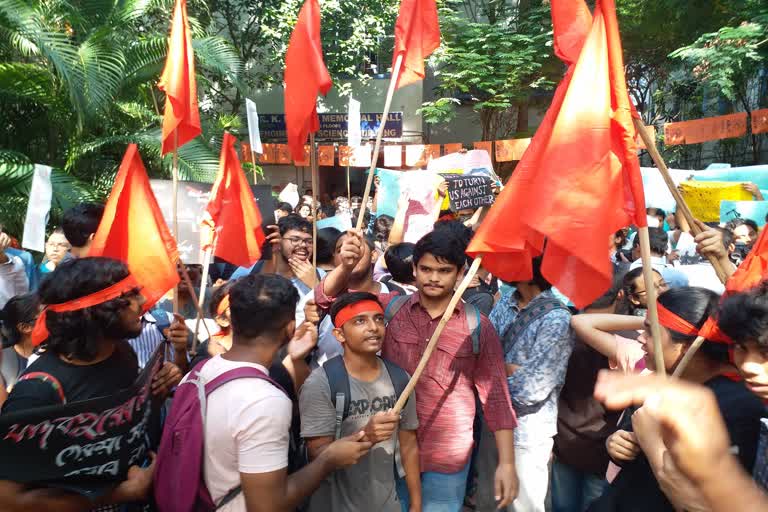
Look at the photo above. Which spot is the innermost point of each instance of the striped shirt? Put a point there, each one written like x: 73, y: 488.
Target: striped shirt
x: 445, y: 393
x: 150, y: 338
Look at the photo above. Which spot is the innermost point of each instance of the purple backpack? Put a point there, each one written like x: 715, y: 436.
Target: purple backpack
x: 180, y: 456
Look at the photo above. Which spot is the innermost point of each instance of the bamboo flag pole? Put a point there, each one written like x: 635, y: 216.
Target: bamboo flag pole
x: 650, y: 145
x: 379, y: 135
x: 253, y: 163
x: 313, y: 165
x: 688, y: 356
x: 436, y: 335
x: 201, y: 299
x: 349, y: 187
x: 650, y: 290
x: 175, y: 208
x: 198, y: 307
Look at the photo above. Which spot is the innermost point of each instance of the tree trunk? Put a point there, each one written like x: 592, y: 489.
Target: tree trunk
x: 522, y: 116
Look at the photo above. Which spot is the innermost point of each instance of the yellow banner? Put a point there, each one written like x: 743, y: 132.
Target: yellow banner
x: 703, y: 197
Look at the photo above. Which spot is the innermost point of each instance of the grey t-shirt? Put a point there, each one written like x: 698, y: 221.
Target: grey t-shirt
x: 369, y: 484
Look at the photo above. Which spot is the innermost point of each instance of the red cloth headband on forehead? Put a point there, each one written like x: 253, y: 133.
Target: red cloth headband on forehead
x: 40, y: 332
x: 711, y: 331
x: 351, y: 311
x: 223, y: 306
x: 671, y: 321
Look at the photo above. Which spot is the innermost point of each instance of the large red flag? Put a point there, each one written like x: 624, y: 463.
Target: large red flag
x: 181, y: 120
x: 133, y: 231
x: 417, y: 35
x: 578, y: 182
x: 753, y: 270
x: 234, y: 217
x: 305, y: 77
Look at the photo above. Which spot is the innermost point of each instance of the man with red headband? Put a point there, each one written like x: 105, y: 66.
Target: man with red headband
x: 358, y: 319
x: 92, y: 306
x: 462, y: 367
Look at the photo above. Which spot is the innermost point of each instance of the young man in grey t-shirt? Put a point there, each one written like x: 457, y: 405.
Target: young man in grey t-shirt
x: 370, y: 484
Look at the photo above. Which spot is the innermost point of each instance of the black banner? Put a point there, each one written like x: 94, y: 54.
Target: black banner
x: 469, y: 192
x: 82, y: 445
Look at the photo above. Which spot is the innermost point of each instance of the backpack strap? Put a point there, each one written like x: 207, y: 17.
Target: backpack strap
x: 395, y: 304
x: 338, y: 381
x: 472, y: 314
x: 527, y: 316
x: 46, y: 377
x: 399, y: 379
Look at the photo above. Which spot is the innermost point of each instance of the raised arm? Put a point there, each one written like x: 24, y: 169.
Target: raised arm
x: 596, y: 330
x: 351, y: 251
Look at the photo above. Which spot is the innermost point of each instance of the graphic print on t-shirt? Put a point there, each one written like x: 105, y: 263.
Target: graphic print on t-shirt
x: 365, y: 408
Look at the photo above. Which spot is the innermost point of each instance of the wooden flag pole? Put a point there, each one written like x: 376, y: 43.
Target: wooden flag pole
x: 198, y: 307
x: 175, y: 208
x: 349, y: 187
x: 379, y: 135
x: 436, y: 335
x: 650, y: 145
x: 688, y: 356
x: 650, y: 294
x: 313, y: 165
x: 201, y: 299
x: 253, y: 163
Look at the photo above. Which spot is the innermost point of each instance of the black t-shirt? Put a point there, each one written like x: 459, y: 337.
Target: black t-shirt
x: 636, y: 488
x: 78, y: 383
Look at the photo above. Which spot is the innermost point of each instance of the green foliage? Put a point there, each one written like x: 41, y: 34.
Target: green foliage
x: 493, y: 56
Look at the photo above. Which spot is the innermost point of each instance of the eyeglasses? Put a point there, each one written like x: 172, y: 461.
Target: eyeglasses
x: 295, y: 240
x: 661, y: 285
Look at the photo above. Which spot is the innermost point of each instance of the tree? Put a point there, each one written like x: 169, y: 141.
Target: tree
x: 728, y: 61
x: 496, y: 56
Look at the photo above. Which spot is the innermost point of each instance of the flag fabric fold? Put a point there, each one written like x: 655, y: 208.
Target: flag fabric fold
x: 254, y: 136
x: 417, y: 35
x: 753, y: 270
x: 579, y: 181
x: 305, y: 77
x: 233, y: 217
x: 134, y: 231
x: 181, y: 118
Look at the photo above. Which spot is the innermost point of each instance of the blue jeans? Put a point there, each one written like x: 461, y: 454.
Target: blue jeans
x: 440, y: 492
x: 572, y: 490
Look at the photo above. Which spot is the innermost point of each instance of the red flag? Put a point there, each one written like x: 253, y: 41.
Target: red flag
x: 571, y: 21
x: 578, y: 182
x: 305, y: 77
x: 753, y: 270
x: 133, y: 231
x: 417, y: 35
x: 181, y: 120
x: 234, y: 216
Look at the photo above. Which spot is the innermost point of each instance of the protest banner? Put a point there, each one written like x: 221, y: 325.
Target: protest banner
x: 703, y: 130
x: 393, y: 156
x: 704, y: 197
x: 82, y: 446
x: 760, y: 121
x: 469, y: 192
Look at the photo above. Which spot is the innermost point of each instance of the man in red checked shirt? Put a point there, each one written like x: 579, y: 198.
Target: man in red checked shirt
x: 445, y: 399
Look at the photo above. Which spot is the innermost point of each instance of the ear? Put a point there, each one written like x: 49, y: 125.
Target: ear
x: 223, y: 321
x: 25, y: 328
x: 91, y: 237
x: 339, y: 334
x: 290, y: 329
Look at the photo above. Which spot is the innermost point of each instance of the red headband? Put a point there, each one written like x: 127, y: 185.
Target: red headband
x: 711, y: 331
x: 223, y: 306
x: 671, y: 321
x: 40, y: 332
x: 351, y: 311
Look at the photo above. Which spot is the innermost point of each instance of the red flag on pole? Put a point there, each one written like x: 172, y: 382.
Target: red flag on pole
x: 234, y: 217
x: 578, y: 182
x: 181, y: 114
x: 417, y: 35
x: 133, y: 231
x: 305, y: 77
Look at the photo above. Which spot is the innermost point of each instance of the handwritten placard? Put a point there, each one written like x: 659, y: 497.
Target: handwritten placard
x: 469, y: 192
x: 89, y: 442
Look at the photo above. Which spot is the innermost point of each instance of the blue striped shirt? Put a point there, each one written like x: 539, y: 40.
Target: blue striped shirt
x: 145, y: 343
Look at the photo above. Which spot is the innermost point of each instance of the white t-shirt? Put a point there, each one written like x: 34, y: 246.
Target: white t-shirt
x: 247, y: 430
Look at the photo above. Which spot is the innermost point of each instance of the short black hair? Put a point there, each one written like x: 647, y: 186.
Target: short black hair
x: 21, y: 309
x: 366, y: 216
x: 611, y: 294
x: 286, y: 207
x: 455, y: 228
x: 328, y: 211
x: 659, y: 241
x: 293, y: 222
x: 349, y: 298
x: 692, y: 304
x: 326, y: 244
x: 381, y: 228
x: 77, y: 334
x: 81, y: 221
x: 733, y: 224
x: 538, y: 278
x: 656, y: 212
x: 442, y: 246
x: 727, y: 236
x: 261, y: 304
x: 399, y: 260
x: 744, y: 316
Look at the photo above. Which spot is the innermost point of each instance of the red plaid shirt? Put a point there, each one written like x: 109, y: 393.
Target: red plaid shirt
x: 445, y: 401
